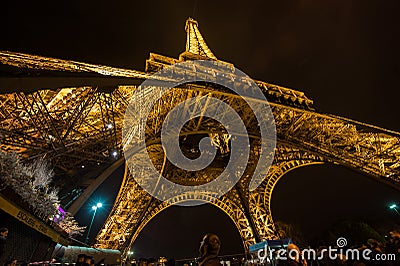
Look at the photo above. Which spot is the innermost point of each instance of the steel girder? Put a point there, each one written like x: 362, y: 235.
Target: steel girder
x: 81, y: 124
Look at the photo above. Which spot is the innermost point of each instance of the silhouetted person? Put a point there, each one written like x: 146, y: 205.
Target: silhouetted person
x: 3, y: 239
x: 209, y: 249
x: 293, y: 257
x: 11, y: 262
x: 142, y: 262
x: 393, y: 244
x: 80, y: 261
x: 89, y: 260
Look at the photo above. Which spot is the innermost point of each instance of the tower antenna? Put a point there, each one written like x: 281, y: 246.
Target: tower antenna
x: 194, y: 8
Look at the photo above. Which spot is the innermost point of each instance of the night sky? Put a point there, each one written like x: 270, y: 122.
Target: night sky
x: 343, y: 54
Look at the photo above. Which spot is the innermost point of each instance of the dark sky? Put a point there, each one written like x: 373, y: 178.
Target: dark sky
x: 343, y: 54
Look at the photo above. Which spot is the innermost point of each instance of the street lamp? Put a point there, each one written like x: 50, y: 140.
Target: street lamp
x: 94, y: 208
x: 394, y: 207
x: 129, y: 255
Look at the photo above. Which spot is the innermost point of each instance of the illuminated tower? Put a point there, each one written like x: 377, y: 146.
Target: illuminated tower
x: 78, y: 121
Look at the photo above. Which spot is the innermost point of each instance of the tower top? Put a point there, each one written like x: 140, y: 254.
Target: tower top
x: 194, y: 41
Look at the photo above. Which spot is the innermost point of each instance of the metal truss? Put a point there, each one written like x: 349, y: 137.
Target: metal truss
x: 135, y: 208
x: 70, y: 127
x: 81, y: 125
x: 195, y: 43
x: 34, y: 62
x: 253, y: 208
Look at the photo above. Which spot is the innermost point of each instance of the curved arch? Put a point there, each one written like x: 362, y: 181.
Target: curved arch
x: 283, y: 170
x: 305, y: 137
x: 134, y: 208
x: 78, y: 203
x: 368, y: 149
x: 233, y: 211
x: 287, y: 159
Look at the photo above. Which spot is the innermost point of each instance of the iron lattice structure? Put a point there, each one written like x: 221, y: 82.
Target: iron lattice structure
x: 78, y: 121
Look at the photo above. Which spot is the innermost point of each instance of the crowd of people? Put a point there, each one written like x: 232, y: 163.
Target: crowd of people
x: 379, y: 253
x: 85, y: 260
x: 372, y: 252
x: 210, y: 247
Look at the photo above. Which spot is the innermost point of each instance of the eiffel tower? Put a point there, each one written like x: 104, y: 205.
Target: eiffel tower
x: 71, y: 113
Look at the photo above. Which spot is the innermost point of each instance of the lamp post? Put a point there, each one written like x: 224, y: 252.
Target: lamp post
x: 394, y: 207
x: 94, y: 208
x: 130, y: 253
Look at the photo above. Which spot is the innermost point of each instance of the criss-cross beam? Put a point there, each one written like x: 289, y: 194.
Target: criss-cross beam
x: 72, y: 113
x: 305, y: 137
x: 66, y: 111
